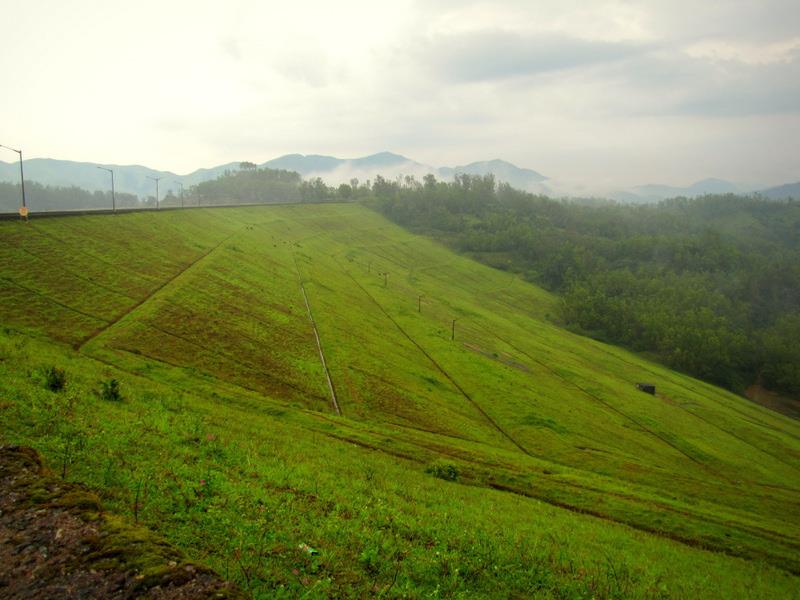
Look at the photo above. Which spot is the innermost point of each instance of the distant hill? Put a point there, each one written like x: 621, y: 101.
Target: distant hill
x: 657, y: 192
x: 789, y: 190
x: 133, y: 179
x: 339, y: 170
x: 523, y: 179
x: 304, y: 164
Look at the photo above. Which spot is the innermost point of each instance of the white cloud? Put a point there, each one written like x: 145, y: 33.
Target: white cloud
x: 749, y: 53
x: 596, y: 92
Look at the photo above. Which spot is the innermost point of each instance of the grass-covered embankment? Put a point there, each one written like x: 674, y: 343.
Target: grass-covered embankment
x: 227, y: 436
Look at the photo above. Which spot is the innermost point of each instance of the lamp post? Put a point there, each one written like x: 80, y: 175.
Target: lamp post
x: 181, y: 186
x: 21, y: 174
x: 113, y: 193
x: 156, y: 179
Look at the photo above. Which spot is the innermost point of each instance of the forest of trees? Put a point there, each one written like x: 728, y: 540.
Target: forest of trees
x: 250, y: 185
x: 710, y: 286
x: 253, y: 185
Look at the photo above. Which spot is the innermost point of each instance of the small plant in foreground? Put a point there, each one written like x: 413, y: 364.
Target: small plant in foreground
x: 55, y: 379
x: 109, y: 390
x: 446, y: 471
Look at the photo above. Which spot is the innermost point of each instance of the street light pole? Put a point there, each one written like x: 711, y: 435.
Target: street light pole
x: 180, y: 184
x: 113, y: 193
x: 156, y: 179
x: 21, y: 173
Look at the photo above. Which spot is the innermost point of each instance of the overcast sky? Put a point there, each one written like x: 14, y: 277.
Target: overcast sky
x: 599, y: 93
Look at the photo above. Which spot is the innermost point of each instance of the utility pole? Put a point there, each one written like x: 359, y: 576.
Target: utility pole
x: 113, y: 194
x: 156, y: 179
x: 24, y: 210
x: 181, y: 185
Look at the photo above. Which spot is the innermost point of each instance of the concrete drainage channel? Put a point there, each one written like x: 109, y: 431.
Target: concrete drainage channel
x: 334, y: 401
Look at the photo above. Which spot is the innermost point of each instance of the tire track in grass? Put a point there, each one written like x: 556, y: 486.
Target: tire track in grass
x: 645, y: 428
x: 651, y: 504
x: 54, y: 301
x: 334, y: 401
x: 756, y: 422
x: 94, y: 257
x: 611, y: 407
x: 224, y: 355
x: 241, y: 402
x: 72, y: 273
x: 669, y: 377
x: 80, y: 345
x: 744, y: 441
x: 438, y: 367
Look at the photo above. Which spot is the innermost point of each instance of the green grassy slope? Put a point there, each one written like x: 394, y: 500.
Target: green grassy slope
x: 201, y: 315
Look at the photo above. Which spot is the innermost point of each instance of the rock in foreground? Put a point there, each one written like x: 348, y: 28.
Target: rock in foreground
x: 57, y: 542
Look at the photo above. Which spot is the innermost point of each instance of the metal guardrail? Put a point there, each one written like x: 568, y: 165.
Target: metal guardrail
x: 5, y: 216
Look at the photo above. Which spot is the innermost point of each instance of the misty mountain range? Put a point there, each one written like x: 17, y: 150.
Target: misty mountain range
x: 135, y: 178
x: 656, y: 192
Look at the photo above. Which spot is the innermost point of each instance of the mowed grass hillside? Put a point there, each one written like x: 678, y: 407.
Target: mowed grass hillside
x: 202, y: 315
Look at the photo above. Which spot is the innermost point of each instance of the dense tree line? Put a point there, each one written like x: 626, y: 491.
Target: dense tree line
x: 46, y: 197
x: 711, y: 286
x: 252, y: 185
x: 249, y: 186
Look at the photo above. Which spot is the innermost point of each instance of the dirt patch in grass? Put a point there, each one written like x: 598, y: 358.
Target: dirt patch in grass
x: 774, y: 401
x: 503, y: 358
x: 57, y: 542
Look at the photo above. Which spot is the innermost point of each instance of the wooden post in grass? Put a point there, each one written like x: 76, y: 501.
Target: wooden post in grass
x: 385, y: 278
x: 419, y: 303
x: 453, y: 331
